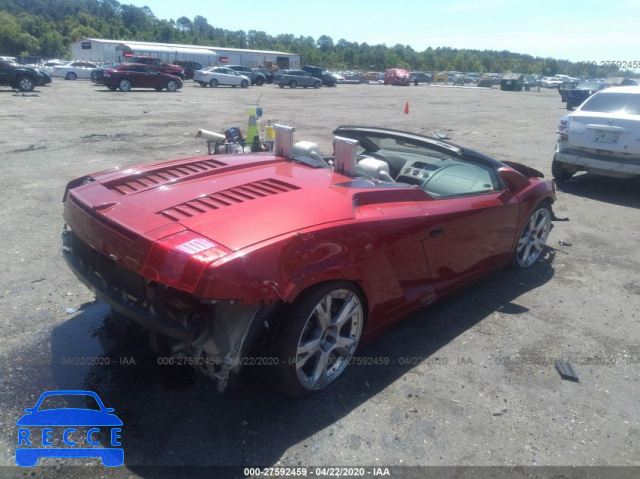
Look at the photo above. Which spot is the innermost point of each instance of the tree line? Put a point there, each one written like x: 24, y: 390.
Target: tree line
x: 47, y: 28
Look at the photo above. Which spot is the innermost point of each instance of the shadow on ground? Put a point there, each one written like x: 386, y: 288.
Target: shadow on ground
x: 174, y: 417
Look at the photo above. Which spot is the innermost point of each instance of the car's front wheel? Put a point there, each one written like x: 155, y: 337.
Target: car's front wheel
x: 124, y: 85
x: 317, y: 85
x: 559, y: 171
x: 533, y: 237
x: 25, y: 84
x: 172, y: 85
x: 318, y: 337
x: 244, y: 84
x: 259, y: 81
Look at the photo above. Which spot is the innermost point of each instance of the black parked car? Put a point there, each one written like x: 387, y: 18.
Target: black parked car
x: 189, y: 67
x: 20, y: 77
x: 268, y: 74
x: 583, y: 91
x: 256, y: 78
x: 327, y: 78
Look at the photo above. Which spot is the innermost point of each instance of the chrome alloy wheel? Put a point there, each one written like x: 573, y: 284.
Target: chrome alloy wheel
x: 329, y: 338
x: 534, y: 237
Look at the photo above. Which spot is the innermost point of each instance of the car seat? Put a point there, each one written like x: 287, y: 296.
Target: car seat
x: 373, y: 168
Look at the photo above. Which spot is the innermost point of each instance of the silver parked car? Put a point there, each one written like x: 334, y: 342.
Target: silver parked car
x: 601, y: 136
x: 295, y: 78
x: 218, y: 76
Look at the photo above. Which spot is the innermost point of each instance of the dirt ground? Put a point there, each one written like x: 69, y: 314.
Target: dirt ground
x: 471, y: 380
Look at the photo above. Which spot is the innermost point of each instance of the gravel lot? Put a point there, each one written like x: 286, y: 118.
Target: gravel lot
x: 471, y: 380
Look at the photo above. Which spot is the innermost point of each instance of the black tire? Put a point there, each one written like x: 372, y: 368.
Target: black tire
x: 259, y: 81
x: 301, y: 373
x: 569, y: 106
x: 172, y: 85
x: 25, y: 84
x: 71, y: 76
x: 532, y: 239
x: 202, y: 84
x: 213, y: 83
x: 158, y: 88
x: 317, y: 85
x: 281, y: 85
x: 112, y: 88
x: 293, y: 84
x: 559, y: 172
x: 244, y: 84
x: 124, y: 85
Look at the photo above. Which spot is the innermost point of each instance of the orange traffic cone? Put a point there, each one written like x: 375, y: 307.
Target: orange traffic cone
x: 406, y: 109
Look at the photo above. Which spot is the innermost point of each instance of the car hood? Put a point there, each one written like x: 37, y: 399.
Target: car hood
x: 233, y: 200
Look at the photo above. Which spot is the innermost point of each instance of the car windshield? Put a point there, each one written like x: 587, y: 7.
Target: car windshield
x: 63, y: 401
x: 613, y: 103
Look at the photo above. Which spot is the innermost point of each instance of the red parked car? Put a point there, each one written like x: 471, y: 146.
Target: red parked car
x: 132, y: 75
x: 397, y: 76
x: 288, y: 262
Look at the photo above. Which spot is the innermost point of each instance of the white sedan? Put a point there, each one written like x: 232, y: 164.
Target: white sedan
x: 74, y: 70
x: 551, y: 82
x: 217, y: 76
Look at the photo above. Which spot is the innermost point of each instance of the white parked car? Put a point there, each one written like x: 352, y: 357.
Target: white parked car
x: 551, y: 82
x: 74, y: 70
x: 218, y: 76
x: 601, y: 137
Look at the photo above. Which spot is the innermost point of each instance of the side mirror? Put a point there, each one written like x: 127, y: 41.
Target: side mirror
x: 513, y: 180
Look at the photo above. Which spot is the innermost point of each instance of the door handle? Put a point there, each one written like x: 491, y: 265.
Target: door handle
x: 435, y: 233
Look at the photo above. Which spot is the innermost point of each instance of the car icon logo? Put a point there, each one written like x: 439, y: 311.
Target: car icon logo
x: 68, y: 432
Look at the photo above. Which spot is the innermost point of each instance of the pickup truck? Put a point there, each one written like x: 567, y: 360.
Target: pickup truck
x: 19, y: 77
x: 294, y: 78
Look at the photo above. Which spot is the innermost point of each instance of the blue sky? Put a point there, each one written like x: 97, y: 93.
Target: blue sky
x: 573, y: 30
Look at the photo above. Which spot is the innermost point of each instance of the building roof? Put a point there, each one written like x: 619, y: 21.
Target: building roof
x: 172, y: 47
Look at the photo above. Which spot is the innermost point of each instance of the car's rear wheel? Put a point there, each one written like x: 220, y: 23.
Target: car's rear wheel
x: 559, y: 171
x: 533, y: 237
x: 244, y: 84
x: 172, y: 85
x: 124, y: 85
x: 293, y: 84
x: 71, y: 76
x: 213, y: 83
x: 25, y: 84
x: 317, y: 85
x: 318, y: 337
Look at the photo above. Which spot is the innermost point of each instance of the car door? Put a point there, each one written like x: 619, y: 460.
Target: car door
x: 153, y: 78
x: 136, y: 74
x: 230, y: 77
x: 466, y: 237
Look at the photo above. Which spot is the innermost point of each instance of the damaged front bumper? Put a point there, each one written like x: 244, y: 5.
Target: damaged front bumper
x: 217, y: 334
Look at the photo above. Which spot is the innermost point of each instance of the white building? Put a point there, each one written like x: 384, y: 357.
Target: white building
x: 100, y: 50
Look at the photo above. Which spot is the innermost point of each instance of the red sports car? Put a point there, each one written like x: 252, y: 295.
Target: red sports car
x: 133, y: 75
x: 291, y: 259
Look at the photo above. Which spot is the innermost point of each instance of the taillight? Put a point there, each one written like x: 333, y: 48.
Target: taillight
x: 179, y: 260
x: 563, y: 128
